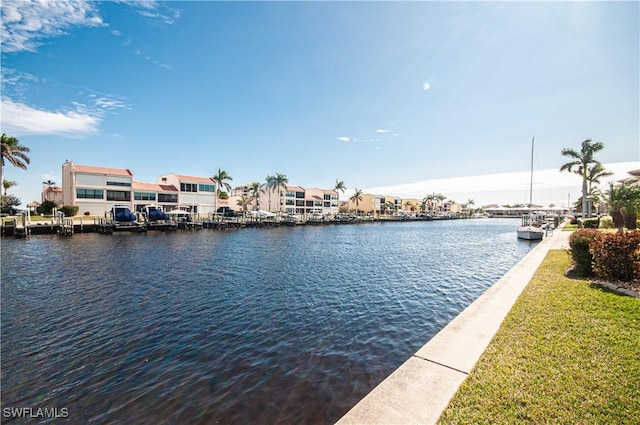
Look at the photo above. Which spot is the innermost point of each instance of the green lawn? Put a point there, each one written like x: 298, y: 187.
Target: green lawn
x: 567, y: 353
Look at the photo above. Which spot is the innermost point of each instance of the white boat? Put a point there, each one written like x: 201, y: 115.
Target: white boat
x: 530, y: 229
x: 530, y: 233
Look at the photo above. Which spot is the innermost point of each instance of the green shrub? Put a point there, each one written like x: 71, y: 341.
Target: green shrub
x: 606, y: 222
x: 616, y: 256
x: 69, y: 210
x: 579, y: 242
x: 46, y: 207
x: 590, y: 223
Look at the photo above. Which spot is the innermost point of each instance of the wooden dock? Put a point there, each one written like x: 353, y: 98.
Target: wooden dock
x: 19, y: 227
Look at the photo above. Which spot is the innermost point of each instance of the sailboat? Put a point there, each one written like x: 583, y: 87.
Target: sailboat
x: 530, y: 228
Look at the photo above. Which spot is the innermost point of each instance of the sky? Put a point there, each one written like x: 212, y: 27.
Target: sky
x: 393, y: 98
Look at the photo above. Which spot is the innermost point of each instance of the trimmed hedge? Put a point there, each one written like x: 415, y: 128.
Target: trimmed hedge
x: 616, y: 256
x: 69, y: 210
x: 606, y: 222
x: 579, y: 242
x: 590, y: 223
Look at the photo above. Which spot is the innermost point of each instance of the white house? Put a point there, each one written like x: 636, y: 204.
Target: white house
x: 196, y: 194
x: 95, y: 189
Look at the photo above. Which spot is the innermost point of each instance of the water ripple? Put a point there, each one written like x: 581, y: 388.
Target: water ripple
x: 290, y: 325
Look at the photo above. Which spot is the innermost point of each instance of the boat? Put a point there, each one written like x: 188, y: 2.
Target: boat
x: 123, y: 219
x: 530, y: 229
x: 157, y: 219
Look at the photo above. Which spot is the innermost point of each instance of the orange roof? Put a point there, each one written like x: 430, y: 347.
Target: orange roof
x: 154, y: 187
x: 195, y: 179
x: 53, y: 189
x: 296, y: 188
x: 102, y: 170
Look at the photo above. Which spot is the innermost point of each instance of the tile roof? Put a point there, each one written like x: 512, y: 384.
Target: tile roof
x: 102, y: 170
x: 154, y: 187
x: 190, y: 179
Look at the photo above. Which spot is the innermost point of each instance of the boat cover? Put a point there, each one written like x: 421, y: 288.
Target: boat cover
x: 157, y: 214
x: 124, y: 214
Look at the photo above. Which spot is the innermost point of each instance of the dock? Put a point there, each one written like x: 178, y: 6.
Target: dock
x: 21, y: 227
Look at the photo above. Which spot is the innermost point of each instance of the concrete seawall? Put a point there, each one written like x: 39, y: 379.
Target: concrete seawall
x: 419, y: 390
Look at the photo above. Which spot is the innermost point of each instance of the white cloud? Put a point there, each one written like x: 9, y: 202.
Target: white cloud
x: 382, y: 131
x: 343, y: 139
x: 19, y: 119
x: 110, y: 104
x: 550, y: 186
x: 426, y: 86
x: 25, y: 23
x: 153, y: 10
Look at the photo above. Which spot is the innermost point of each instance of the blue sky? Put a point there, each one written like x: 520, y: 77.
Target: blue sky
x: 398, y: 98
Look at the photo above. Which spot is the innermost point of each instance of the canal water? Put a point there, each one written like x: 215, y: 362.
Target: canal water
x: 286, y: 325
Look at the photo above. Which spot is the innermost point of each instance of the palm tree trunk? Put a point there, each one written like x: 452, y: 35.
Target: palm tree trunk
x: 585, y: 213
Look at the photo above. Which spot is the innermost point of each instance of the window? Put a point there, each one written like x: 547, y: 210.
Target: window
x: 300, y: 203
x: 167, y: 197
x: 317, y: 203
x: 119, y: 184
x: 118, y: 195
x: 327, y: 204
x: 144, y: 196
x: 327, y: 197
x: 89, y: 194
x: 299, y: 195
x: 188, y: 187
x: 289, y: 202
x: 290, y: 194
x: 206, y: 187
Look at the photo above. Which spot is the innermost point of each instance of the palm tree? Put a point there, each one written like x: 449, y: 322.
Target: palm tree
x: 423, y: 205
x: 280, y: 181
x: 431, y: 201
x: 594, y: 174
x: 623, y: 200
x: 470, y: 202
x: 269, y: 185
x: 243, y: 202
x: 254, y: 189
x: 220, y: 178
x: 13, y: 152
x: 356, y: 198
x: 7, y: 184
x: 339, y: 187
x: 580, y: 165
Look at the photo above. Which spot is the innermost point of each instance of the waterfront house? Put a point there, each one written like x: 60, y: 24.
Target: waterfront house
x: 163, y: 195
x: 196, y: 194
x: 321, y: 201
x: 369, y: 204
x: 95, y: 189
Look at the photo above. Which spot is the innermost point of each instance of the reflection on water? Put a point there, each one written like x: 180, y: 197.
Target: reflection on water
x: 290, y: 325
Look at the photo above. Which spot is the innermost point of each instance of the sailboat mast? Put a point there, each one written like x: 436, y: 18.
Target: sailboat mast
x: 531, y: 175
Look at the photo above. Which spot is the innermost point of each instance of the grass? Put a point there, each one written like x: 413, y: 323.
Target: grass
x: 568, y: 227
x: 568, y: 352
